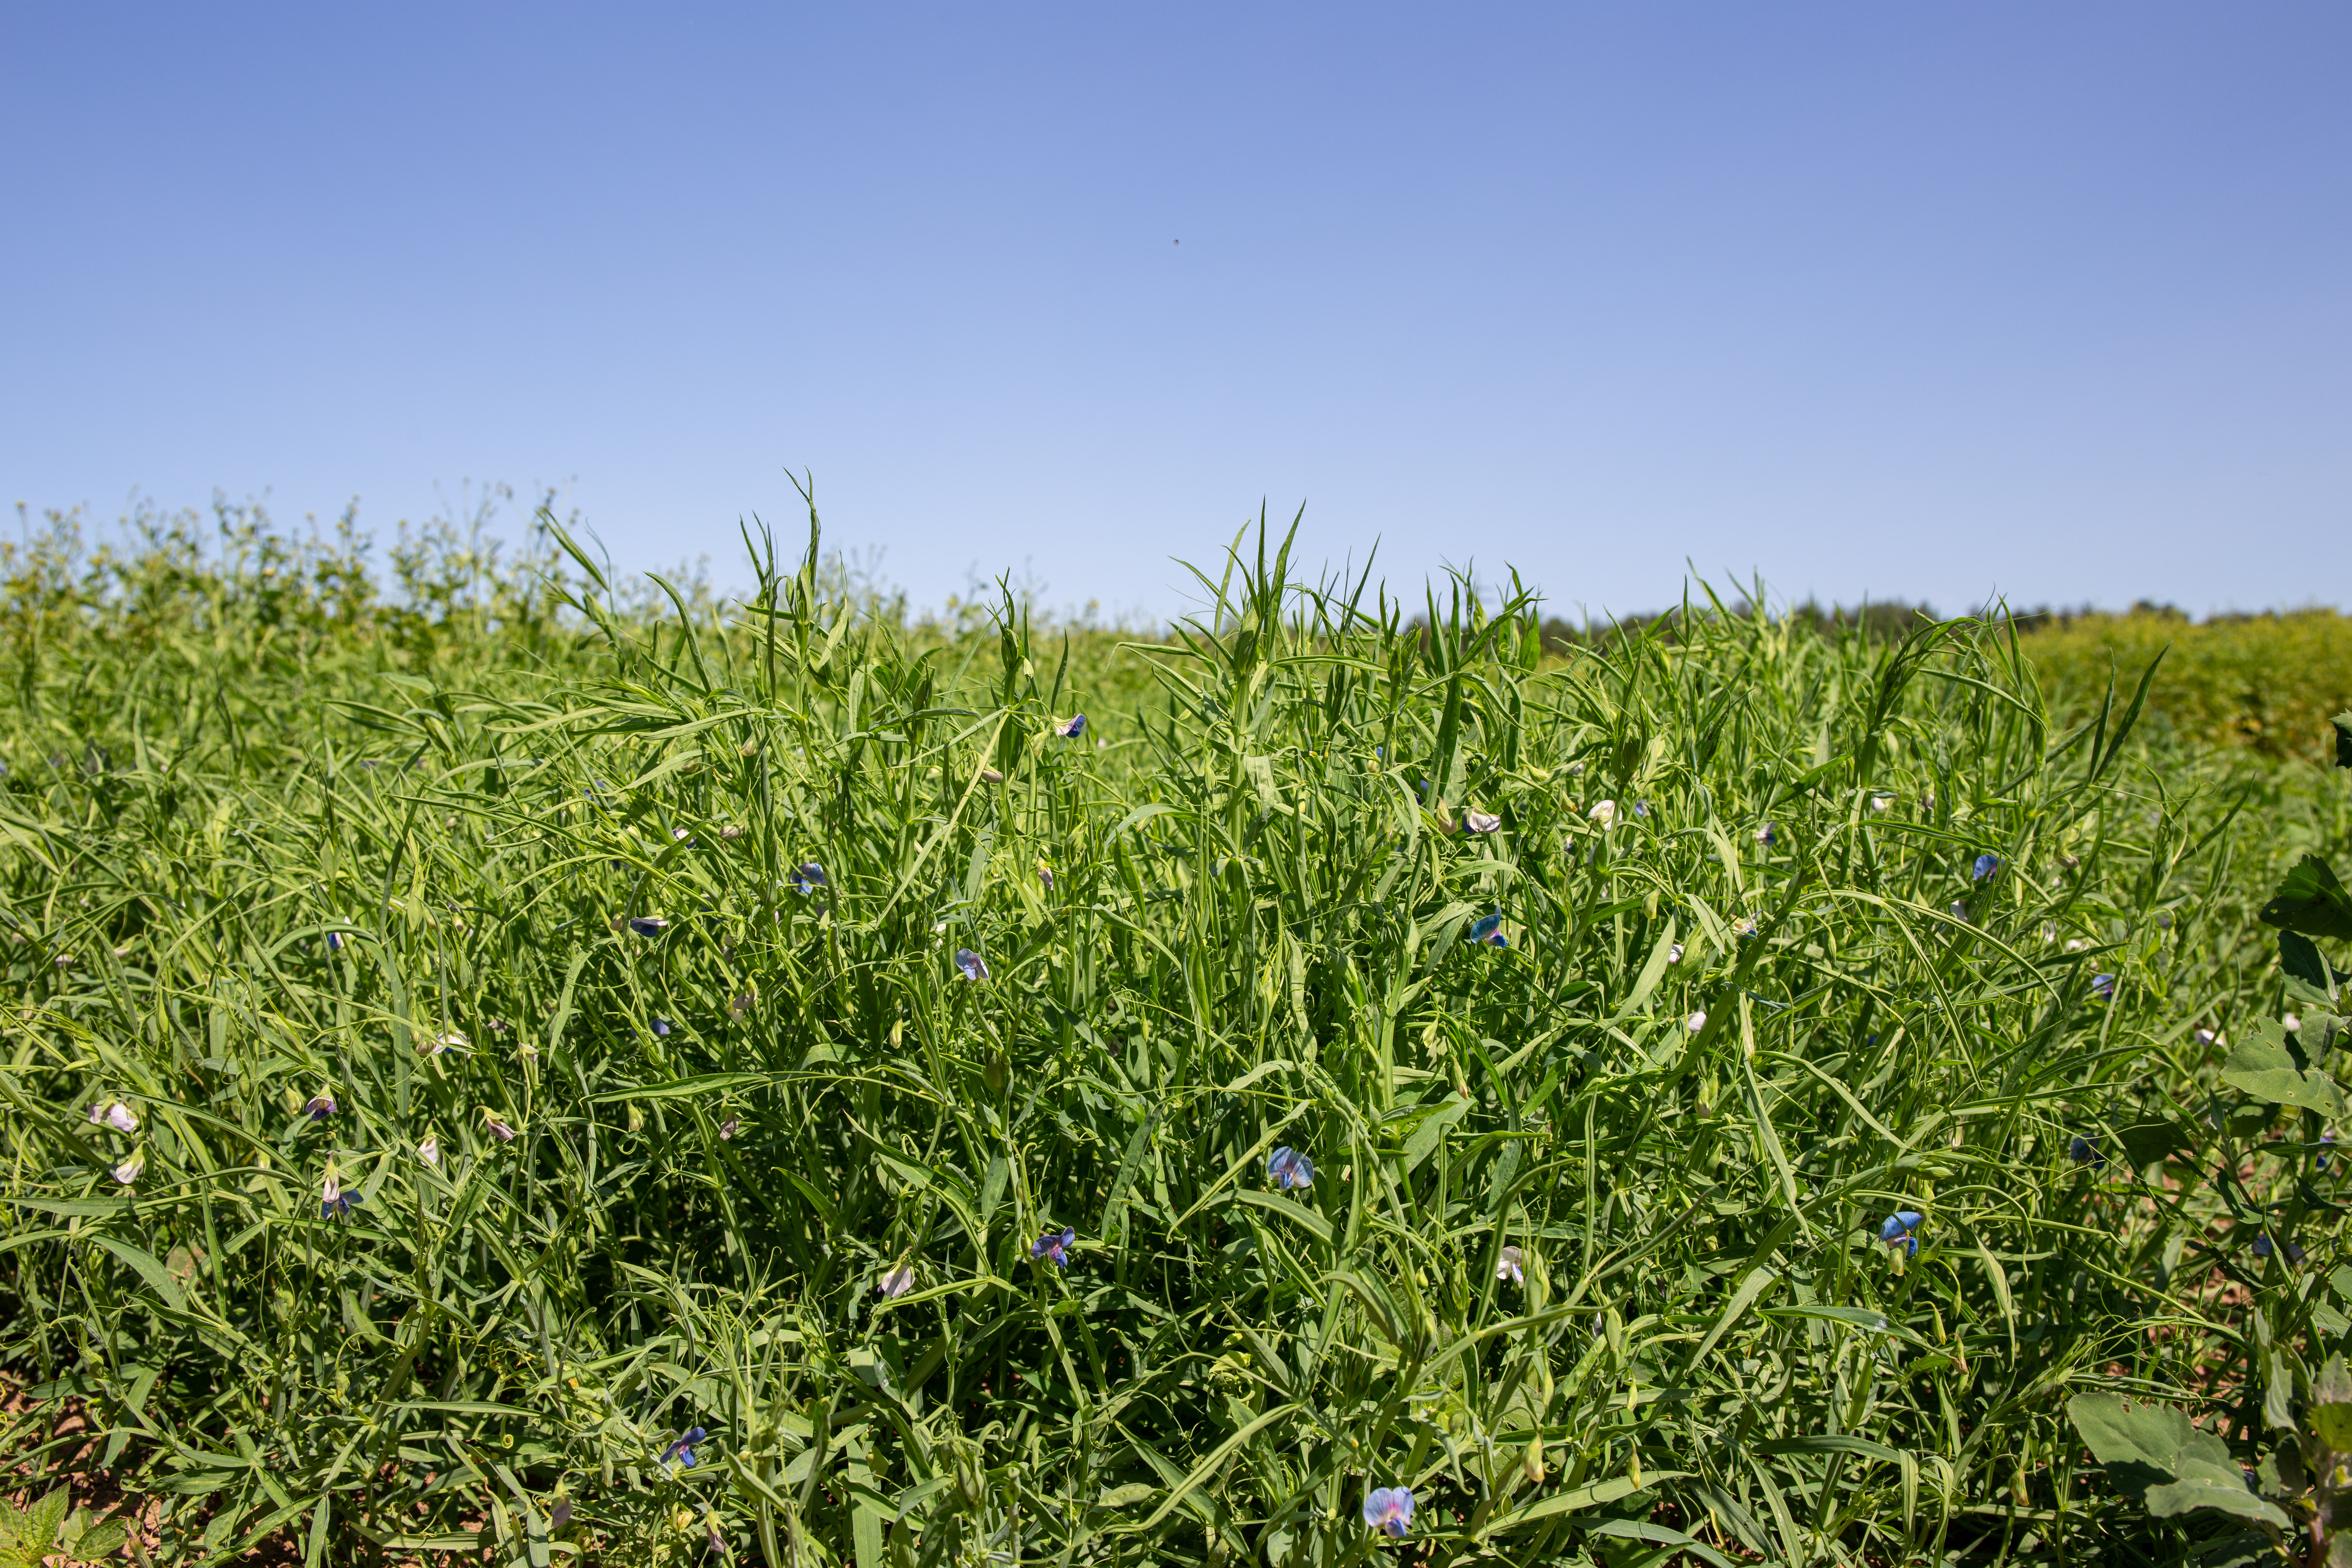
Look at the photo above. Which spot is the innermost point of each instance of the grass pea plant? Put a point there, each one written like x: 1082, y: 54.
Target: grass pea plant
x: 646, y: 1082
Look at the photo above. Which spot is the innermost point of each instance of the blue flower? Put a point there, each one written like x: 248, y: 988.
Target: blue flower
x: 807, y: 878
x: 2083, y: 1152
x: 662, y: 1027
x: 1985, y: 867
x: 1287, y: 1168
x: 1072, y: 729
x: 648, y: 925
x: 1489, y: 929
x: 1642, y: 808
x: 2264, y: 1246
x: 335, y: 941
x: 1897, y: 1228
x: 1765, y: 835
x: 683, y: 1450
x: 1388, y: 1508
x: 2104, y: 984
x: 973, y: 966
x: 2327, y: 1138
x: 1055, y: 1244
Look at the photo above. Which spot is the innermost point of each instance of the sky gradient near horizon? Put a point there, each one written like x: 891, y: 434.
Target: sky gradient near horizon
x: 1905, y: 302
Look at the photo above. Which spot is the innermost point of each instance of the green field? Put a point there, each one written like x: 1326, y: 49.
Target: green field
x: 479, y: 895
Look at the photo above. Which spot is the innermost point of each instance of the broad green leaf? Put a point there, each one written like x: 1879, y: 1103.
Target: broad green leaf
x: 2265, y: 1066
x: 2229, y: 1497
x: 2152, y: 1451
x: 2307, y: 973
x: 2311, y: 901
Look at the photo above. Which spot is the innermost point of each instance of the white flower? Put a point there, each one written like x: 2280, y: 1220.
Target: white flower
x: 1674, y: 952
x: 1882, y: 802
x: 430, y: 1150
x: 1508, y: 1266
x: 115, y: 1114
x: 1479, y: 821
x: 897, y: 1283
x: 733, y: 830
x: 2290, y: 1023
x: 127, y: 1172
x: 1603, y: 813
x: 1695, y: 1023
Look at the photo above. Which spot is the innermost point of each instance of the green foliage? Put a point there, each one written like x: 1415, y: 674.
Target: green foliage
x: 458, y: 1198
x: 45, y: 1532
x: 2152, y: 1453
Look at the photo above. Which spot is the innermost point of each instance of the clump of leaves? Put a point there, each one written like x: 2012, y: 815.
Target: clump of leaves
x: 31, y: 1536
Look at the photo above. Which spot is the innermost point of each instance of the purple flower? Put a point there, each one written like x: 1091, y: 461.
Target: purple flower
x: 321, y: 1105
x: 1055, y: 1246
x: 333, y: 1200
x: 648, y: 925
x: 1489, y: 929
x: 683, y: 1450
x: 1388, y: 1508
x: 897, y: 1283
x: 498, y: 1129
x: 973, y: 966
x: 662, y: 1027
x: 115, y: 1114
x: 1985, y: 867
x: 2104, y: 984
x: 1288, y: 1168
x: 2328, y: 1138
x: 807, y: 878
x: 1072, y: 729
x: 1897, y: 1228
x: 1045, y: 875
x: 2083, y: 1152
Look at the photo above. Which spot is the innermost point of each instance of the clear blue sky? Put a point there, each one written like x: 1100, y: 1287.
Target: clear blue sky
x: 1910, y: 300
